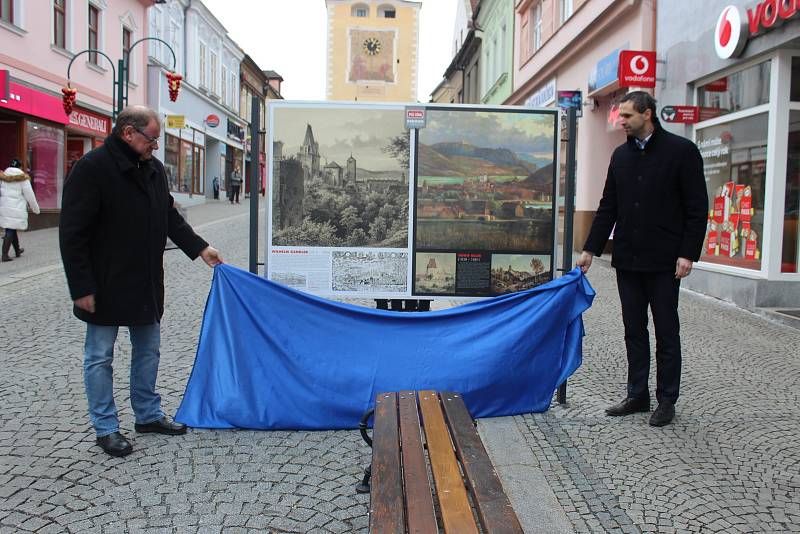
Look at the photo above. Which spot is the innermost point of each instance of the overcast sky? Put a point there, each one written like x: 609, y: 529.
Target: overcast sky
x: 289, y: 37
x: 342, y: 133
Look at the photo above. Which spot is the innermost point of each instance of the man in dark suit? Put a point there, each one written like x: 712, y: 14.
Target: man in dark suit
x: 116, y: 215
x: 656, y: 195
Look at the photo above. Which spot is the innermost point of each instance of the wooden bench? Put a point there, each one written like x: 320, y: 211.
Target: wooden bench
x: 465, y: 490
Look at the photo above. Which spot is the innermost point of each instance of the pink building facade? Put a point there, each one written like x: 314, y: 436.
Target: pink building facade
x: 37, y: 42
x: 573, y: 45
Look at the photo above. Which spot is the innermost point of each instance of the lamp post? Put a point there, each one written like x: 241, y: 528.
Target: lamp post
x: 119, y: 94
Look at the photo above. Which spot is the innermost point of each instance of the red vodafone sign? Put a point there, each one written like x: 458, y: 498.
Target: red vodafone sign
x: 637, y: 68
x: 733, y: 30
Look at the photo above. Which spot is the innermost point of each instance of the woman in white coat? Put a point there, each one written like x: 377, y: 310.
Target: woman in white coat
x: 16, y: 194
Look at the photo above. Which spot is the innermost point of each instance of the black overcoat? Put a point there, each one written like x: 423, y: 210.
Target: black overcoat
x: 657, y: 198
x: 116, y: 215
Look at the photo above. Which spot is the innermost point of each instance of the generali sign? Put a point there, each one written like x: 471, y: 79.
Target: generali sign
x: 90, y: 122
x: 733, y: 30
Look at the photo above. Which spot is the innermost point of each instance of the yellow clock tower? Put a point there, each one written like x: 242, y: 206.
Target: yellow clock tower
x: 373, y: 48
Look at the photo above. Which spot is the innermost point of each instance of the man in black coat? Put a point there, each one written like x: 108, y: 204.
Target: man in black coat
x: 655, y: 193
x: 116, y: 215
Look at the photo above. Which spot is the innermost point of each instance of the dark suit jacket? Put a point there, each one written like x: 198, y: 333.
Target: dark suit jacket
x: 657, y: 198
x: 116, y: 215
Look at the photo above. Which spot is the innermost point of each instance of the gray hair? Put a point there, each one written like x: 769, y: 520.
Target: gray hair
x: 137, y: 116
x: 641, y: 102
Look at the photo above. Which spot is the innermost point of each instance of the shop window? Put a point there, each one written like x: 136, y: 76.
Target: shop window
x: 94, y: 32
x: 9, y: 133
x: 183, y: 162
x: 794, y: 91
x: 186, y: 167
x: 735, y: 167
x: 45, y: 160
x: 741, y: 90
x: 60, y: 23
x: 171, y: 166
x: 790, y: 258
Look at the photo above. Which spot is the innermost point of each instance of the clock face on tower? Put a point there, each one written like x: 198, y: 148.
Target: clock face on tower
x: 372, y: 46
x: 372, y: 55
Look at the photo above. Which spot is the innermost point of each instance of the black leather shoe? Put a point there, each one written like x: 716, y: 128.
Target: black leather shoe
x: 115, y: 444
x: 629, y: 406
x: 663, y: 415
x: 162, y: 426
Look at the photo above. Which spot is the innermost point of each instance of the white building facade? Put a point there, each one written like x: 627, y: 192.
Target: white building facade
x: 201, y: 156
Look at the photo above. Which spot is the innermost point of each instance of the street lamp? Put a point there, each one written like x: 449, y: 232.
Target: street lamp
x: 119, y: 95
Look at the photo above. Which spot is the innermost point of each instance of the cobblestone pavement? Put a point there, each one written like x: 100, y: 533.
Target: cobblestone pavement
x: 729, y: 463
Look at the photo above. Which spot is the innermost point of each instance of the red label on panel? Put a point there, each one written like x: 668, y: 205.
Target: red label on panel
x: 725, y: 243
x: 712, y: 243
x: 719, y: 210
x: 750, y: 248
x: 746, y: 208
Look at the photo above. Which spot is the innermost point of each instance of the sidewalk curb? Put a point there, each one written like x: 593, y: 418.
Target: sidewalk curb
x: 531, y: 497
x: 38, y: 271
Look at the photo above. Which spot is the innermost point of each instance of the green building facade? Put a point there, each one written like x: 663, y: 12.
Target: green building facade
x: 496, y: 20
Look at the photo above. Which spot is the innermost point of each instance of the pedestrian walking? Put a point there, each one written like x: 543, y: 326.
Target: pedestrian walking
x: 656, y: 195
x: 16, y: 196
x: 236, y: 185
x: 116, y: 215
x: 215, y: 187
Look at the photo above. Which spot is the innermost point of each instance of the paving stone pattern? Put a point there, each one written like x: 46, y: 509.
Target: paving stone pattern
x: 730, y: 462
x: 54, y: 479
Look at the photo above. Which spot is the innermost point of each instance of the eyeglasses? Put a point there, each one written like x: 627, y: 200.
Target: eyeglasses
x: 151, y: 139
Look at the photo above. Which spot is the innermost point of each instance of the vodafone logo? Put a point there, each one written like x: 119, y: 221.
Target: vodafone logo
x: 730, y: 35
x: 639, y: 65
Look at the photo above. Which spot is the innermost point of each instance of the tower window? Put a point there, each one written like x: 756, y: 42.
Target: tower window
x: 360, y: 10
x: 386, y: 11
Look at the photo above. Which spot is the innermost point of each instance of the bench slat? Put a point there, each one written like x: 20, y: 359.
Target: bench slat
x: 454, y: 504
x: 420, y: 514
x: 494, y: 509
x: 386, y: 500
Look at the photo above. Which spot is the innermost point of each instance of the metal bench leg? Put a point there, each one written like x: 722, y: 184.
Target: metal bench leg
x: 363, y: 487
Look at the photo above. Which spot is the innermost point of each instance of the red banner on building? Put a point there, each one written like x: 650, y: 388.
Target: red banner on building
x: 32, y: 102
x: 637, y: 68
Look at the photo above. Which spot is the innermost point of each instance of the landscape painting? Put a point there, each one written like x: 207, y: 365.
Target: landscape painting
x: 435, y: 273
x: 485, y: 180
x: 518, y: 272
x: 340, y: 176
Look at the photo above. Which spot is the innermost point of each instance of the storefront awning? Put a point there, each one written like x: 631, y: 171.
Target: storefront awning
x: 32, y: 102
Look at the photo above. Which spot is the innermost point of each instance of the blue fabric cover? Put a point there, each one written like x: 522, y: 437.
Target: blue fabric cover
x: 270, y: 357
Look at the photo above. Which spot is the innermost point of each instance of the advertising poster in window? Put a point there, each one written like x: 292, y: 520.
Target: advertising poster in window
x: 484, y: 201
x: 340, y: 189
x: 735, y: 167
